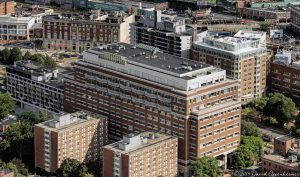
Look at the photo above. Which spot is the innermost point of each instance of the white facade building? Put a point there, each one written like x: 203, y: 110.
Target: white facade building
x: 15, y: 28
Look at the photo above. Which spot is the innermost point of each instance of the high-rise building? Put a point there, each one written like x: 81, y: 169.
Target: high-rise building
x: 285, y: 75
x: 244, y: 57
x: 295, y: 19
x: 80, y: 135
x: 33, y: 85
x: 82, y: 32
x: 168, y: 32
x: 146, y: 154
x: 142, y: 89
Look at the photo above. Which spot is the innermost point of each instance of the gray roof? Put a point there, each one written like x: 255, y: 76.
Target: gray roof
x: 151, y: 56
x: 284, y: 138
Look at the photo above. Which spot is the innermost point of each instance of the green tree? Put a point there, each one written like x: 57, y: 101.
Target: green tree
x: 249, y: 112
x: 20, y: 166
x: 7, y: 104
x: 71, y: 168
x: 259, y: 103
x: 265, y: 25
x: 5, y: 55
x: 27, y: 56
x: 49, y: 61
x: 280, y: 107
x: 250, y: 129
x: 18, y: 141
x: 249, y: 152
x: 40, y: 58
x: 245, y: 158
x: 61, y: 56
x: 94, y: 168
x: 205, y: 166
x: 12, y: 167
x: 28, y: 116
x: 15, y: 55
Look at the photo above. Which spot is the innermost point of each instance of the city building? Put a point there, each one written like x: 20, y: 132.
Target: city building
x: 14, y: 29
x: 278, y: 15
x: 295, y: 19
x: 35, y: 11
x: 145, y: 154
x: 6, y: 173
x: 78, y: 33
x: 126, y: 5
x: 284, y: 159
x: 168, y: 32
x: 285, y: 75
x: 33, y: 85
x: 7, y: 7
x: 6, y: 122
x: 260, y: 36
x: 142, y: 89
x: 244, y: 57
x: 80, y: 135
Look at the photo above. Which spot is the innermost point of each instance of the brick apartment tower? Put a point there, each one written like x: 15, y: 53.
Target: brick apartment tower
x: 79, y: 136
x: 141, y: 89
x: 7, y: 7
x: 147, y: 154
x: 245, y: 58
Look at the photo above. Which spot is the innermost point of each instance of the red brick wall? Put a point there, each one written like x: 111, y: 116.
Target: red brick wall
x: 108, y: 163
x: 39, y: 147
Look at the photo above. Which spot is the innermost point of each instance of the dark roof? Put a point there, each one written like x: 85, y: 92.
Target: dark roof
x: 145, y: 55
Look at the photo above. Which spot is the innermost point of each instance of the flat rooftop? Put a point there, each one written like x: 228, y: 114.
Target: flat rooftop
x: 151, y: 56
x: 284, y: 138
x: 35, y: 69
x: 12, y: 19
x: 158, y: 138
x: 280, y: 159
x: 250, y: 34
x: 65, y: 121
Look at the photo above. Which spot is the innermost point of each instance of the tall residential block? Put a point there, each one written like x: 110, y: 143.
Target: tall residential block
x: 78, y: 33
x: 147, y: 154
x: 168, y: 32
x: 141, y: 89
x: 80, y: 135
x: 295, y: 19
x: 244, y: 57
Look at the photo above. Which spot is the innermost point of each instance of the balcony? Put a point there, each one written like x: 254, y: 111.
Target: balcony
x: 150, y: 95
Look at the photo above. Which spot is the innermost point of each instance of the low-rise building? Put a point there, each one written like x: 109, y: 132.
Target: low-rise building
x: 7, y: 7
x: 78, y: 33
x: 145, y: 154
x: 35, y: 11
x: 14, y: 29
x: 80, y: 135
x: 33, y: 85
x: 284, y: 159
x: 8, y: 121
x: 285, y: 75
x: 272, y: 14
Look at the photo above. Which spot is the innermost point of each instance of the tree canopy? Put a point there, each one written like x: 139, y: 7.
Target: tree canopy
x: 9, y: 56
x: 280, y: 107
x: 72, y: 168
x: 250, y: 129
x: 205, y: 166
x: 265, y: 25
x: 7, y: 104
x: 249, y: 152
